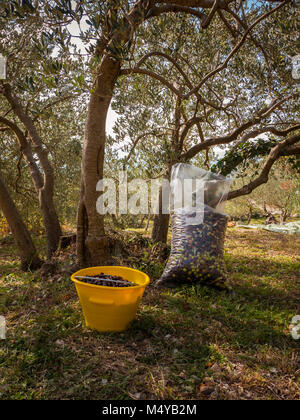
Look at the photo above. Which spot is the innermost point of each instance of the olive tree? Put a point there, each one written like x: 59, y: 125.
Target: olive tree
x: 253, y: 95
x: 38, y: 80
x: 28, y: 253
x: 114, y: 32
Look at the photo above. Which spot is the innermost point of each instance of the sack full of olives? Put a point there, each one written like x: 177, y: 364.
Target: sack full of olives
x: 197, y: 201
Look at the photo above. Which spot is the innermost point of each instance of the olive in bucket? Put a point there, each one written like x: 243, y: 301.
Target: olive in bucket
x: 109, y: 295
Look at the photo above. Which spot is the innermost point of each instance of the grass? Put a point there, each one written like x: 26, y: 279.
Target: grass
x: 188, y: 343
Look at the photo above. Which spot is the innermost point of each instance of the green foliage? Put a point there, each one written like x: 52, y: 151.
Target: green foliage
x: 281, y: 194
x: 242, y: 156
x: 19, y: 9
x: 294, y: 161
x: 47, y: 76
x: 243, y: 88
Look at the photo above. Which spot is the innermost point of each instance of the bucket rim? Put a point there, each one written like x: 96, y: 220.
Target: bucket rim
x: 117, y: 289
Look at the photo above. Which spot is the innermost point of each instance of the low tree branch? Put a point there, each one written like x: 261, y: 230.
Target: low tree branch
x: 167, y: 57
x: 184, y: 75
x: 193, y: 151
x: 10, y: 125
x: 57, y: 101
x: 36, y: 139
x: 205, y: 4
x: 137, y: 140
x: 274, y: 154
x: 267, y: 129
x: 290, y: 151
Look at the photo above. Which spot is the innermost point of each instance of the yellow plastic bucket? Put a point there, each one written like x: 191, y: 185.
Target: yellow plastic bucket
x: 110, y: 308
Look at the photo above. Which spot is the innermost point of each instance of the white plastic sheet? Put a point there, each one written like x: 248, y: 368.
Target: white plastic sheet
x: 2, y: 67
x: 289, y: 228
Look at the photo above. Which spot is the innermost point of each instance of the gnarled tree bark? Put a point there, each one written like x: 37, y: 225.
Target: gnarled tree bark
x: 92, y: 243
x: 28, y: 254
x: 44, y: 183
x: 161, y: 228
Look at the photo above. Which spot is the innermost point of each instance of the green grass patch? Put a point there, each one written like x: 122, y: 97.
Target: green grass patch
x: 236, y: 343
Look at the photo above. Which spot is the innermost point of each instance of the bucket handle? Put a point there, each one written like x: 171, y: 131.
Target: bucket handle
x: 101, y: 302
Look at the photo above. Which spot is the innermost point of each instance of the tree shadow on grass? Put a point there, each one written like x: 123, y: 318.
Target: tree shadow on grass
x: 166, y: 332
x: 274, y: 284
x: 164, y: 351
x: 233, y: 320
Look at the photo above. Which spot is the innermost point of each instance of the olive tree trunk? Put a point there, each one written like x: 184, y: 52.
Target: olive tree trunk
x: 44, y: 183
x: 27, y: 250
x: 92, y: 243
x: 161, y: 228
x: 161, y: 224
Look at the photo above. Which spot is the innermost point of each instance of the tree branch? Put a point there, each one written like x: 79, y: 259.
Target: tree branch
x: 274, y: 154
x: 57, y: 101
x: 10, y: 125
x: 188, y: 126
x: 150, y: 73
x: 245, y: 26
x: 167, y: 57
x: 291, y: 151
x: 234, y: 50
x: 135, y: 144
x: 267, y: 129
x: 36, y: 139
x: 173, y: 8
x: 160, y: 78
x: 231, y: 30
x: 26, y: 150
x: 211, y: 14
x: 205, y: 4
x: 193, y: 151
